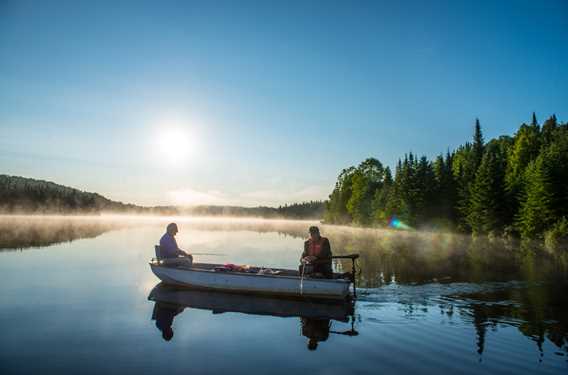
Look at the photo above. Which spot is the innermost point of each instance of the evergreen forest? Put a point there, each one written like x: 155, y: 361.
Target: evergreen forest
x: 507, y: 186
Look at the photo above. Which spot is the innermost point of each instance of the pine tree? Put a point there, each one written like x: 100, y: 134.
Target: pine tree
x: 425, y: 189
x: 388, y: 177
x: 533, y: 121
x: 393, y: 205
x: 487, y: 192
x: 536, y: 212
x: 525, y: 148
x: 548, y: 129
x: 477, y: 147
x: 556, y: 161
x: 445, y: 196
x: 440, y: 173
x: 464, y: 174
x: 404, y: 190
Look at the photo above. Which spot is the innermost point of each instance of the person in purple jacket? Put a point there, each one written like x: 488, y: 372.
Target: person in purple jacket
x: 170, y: 253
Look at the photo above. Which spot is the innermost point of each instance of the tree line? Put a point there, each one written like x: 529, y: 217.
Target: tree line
x: 507, y: 186
x: 28, y: 195
x: 304, y: 210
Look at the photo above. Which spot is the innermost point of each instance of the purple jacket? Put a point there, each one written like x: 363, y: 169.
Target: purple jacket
x: 168, y: 246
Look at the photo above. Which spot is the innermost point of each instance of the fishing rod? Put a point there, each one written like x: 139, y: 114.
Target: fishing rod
x: 208, y: 254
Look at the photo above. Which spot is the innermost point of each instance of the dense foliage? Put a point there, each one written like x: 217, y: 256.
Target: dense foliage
x: 508, y: 185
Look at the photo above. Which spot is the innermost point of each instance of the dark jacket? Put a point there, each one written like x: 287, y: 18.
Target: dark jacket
x: 164, y: 314
x: 323, y: 262
x: 316, y: 329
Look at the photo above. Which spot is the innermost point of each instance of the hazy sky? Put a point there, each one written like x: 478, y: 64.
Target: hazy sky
x: 262, y: 102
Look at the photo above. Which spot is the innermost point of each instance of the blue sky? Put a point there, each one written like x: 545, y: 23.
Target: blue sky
x: 265, y: 101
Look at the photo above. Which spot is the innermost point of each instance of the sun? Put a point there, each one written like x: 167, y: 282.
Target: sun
x: 174, y: 145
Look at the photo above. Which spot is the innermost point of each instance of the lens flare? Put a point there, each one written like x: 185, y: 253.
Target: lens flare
x: 395, y: 223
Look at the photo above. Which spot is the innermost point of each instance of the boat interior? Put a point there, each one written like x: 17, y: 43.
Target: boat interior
x: 247, y: 270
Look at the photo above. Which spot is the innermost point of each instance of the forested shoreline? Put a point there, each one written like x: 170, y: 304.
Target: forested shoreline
x: 511, y: 186
x: 20, y: 195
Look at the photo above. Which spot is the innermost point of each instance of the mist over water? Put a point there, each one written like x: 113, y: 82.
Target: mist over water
x: 410, y: 257
x: 79, y: 286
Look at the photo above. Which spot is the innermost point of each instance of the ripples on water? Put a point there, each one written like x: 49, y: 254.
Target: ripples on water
x: 427, y: 302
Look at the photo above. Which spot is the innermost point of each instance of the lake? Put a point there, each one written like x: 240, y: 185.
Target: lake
x: 75, y: 299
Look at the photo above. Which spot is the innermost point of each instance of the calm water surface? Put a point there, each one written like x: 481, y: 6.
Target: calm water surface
x: 75, y: 298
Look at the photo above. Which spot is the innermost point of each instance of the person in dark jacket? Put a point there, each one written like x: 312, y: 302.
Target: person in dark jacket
x: 316, y: 330
x: 316, y: 257
x: 164, y: 314
x: 170, y: 253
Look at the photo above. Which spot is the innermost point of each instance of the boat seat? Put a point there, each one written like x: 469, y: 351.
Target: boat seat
x: 161, y: 260
x: 158, y: 251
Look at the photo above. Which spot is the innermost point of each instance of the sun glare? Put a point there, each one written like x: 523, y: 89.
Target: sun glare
x: 175, y: 145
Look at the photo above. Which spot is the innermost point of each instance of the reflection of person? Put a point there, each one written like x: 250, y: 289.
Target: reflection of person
x: 164, y: 315
x: 317, y: 255
x: 315, y: 330
x: 170, y: 252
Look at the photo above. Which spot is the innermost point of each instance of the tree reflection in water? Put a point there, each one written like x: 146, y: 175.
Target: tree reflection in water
x: 25, y: 232
x: 537, y: 311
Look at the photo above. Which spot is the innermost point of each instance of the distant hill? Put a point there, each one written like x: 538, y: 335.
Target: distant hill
x: 20, y: 194
x: 28, y: 195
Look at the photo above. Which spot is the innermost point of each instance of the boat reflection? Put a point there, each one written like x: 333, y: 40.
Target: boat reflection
x: 315, y: 315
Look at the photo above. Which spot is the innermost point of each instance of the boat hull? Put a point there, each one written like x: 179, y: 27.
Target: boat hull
x: 237, y: 282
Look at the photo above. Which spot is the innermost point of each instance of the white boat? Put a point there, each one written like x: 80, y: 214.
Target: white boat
x: 287, y: 283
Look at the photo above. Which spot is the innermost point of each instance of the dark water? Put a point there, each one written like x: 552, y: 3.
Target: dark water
x: 75, y: 299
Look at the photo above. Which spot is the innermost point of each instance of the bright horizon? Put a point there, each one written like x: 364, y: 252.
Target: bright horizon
x: 256, y: 103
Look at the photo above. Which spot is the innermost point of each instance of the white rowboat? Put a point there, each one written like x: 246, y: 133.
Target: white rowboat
x: 287, y: 283
x: 282, y: 282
